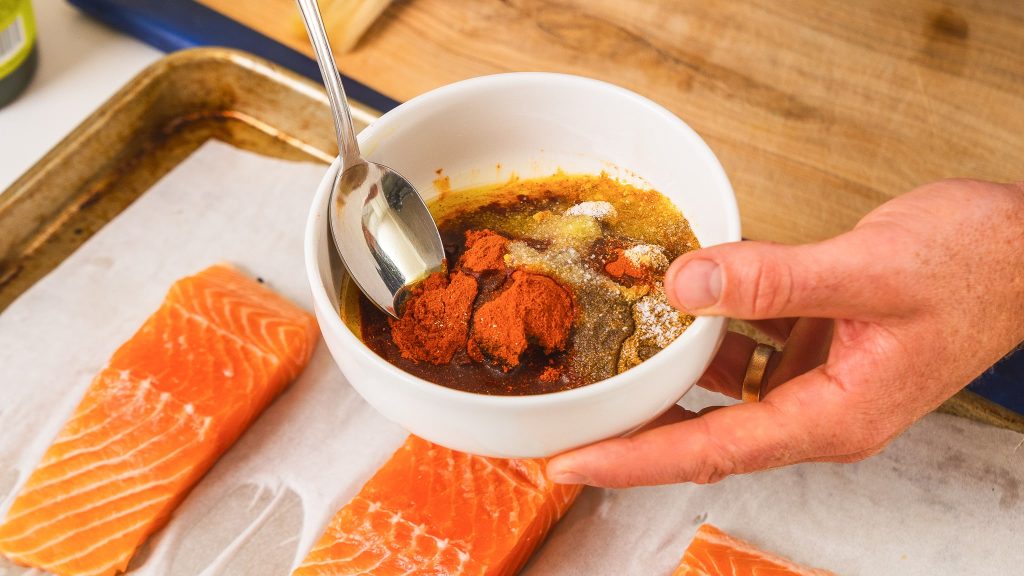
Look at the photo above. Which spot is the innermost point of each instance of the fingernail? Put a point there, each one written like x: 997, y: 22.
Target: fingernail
x: 568, y: 478
x: 697, y: 285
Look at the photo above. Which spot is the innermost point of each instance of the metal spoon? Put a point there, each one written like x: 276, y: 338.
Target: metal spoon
x: 381, y: 227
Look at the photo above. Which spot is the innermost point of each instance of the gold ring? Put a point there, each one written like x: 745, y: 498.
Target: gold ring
x: 753, y: 380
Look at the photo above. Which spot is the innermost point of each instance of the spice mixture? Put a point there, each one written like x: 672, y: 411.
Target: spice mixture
x: 556, y: 284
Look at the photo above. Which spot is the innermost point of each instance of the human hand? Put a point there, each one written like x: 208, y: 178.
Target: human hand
x: 924, y: 294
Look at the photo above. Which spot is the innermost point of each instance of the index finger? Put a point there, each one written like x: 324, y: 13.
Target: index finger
x: 800, y: 421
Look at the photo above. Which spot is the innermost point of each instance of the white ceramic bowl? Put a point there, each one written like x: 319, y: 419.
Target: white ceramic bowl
x: 480, y: 131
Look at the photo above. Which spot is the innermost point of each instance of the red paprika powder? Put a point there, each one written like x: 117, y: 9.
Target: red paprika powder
x: 435, y: 323
x: 527, y: 308
x: 532, y: 308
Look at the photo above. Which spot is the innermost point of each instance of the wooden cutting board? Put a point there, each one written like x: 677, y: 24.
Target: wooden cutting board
x: 819, y: 110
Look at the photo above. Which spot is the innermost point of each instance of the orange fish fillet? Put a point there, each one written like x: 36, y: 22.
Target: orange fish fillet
x: 431, y: 510
x: 715, y: 553
x: 168, y: 404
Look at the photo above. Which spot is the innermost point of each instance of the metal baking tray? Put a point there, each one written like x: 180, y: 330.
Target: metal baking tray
x: 154, y: 123
x: 140, y: 134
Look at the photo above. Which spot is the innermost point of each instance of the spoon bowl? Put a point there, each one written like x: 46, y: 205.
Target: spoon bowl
x: 380, y: 226
x: 384, y: 233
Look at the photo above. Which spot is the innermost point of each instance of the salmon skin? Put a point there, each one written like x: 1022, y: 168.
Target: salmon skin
x: 715, y: 553
x: 170, y: 401
x: 431, y: 510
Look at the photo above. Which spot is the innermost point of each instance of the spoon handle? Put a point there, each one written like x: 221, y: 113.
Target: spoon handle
x: 347, y: 143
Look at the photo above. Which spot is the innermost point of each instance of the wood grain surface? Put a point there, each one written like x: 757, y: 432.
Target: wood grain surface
x: 819, y: 110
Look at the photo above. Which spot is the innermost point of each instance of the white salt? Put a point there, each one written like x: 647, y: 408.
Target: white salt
x: 657, y: 322
x: 650, y: 256
x: 598, y: 209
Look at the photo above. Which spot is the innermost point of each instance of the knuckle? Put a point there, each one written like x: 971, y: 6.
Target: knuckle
x: 629, y: 479
x: 712, y: 469
x: 621, y: 476
x: 621, y: 469
x: 633, y: 478
x: 770, y: 289
x: 715, y: 464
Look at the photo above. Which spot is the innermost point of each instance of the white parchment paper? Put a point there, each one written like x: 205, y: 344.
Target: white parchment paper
x: 945, y: 498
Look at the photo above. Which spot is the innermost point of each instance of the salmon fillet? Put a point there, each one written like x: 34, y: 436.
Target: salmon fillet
x: 715, y: 553
x: 170, y: 401
x: 431, y: 510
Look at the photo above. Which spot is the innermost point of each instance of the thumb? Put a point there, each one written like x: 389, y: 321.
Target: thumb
x: 758, y: 280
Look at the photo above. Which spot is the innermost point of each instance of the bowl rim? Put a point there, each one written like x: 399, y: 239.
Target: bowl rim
x: 647, y: 368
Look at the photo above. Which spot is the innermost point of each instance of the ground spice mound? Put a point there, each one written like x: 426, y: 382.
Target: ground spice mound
x: 528, y: 309
x: 435, y: 323
x: 532, y: 308
x: 485, y: 252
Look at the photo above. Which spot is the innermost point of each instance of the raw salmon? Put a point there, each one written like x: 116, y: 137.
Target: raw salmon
x: 431, y: 510
x: 715, y: 553
x: 170, y: 401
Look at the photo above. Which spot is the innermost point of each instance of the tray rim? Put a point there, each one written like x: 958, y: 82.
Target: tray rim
x: 147, y: 76
x: 281, y: 115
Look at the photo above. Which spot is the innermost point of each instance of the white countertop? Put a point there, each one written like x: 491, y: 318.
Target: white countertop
x: 81, y: 63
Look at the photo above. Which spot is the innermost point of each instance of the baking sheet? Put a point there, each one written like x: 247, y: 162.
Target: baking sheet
x: 943, y: 499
